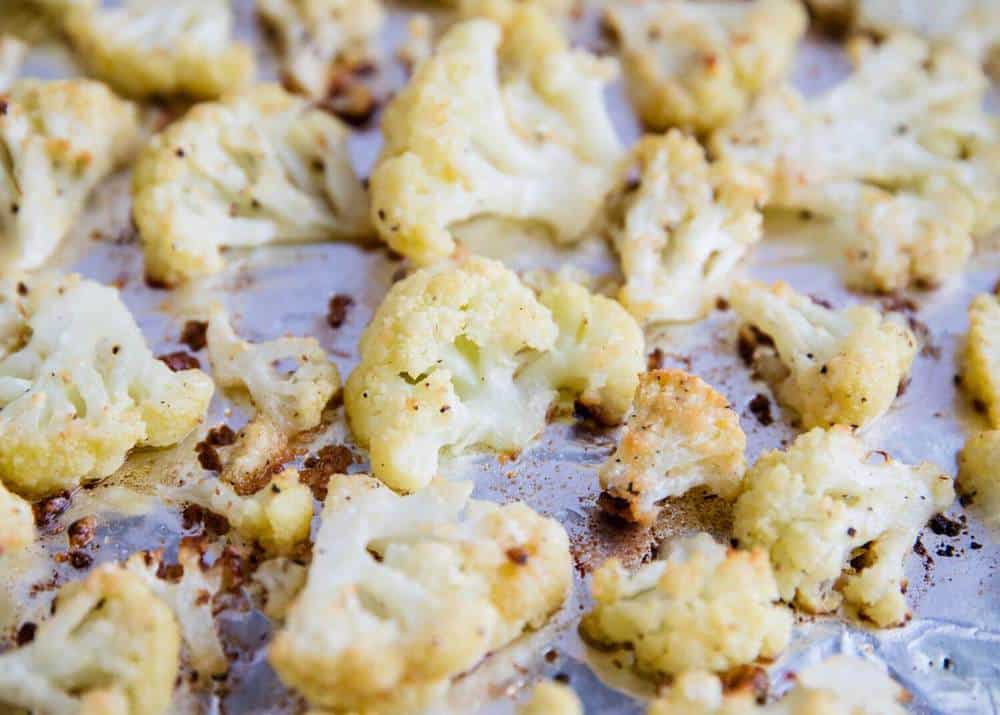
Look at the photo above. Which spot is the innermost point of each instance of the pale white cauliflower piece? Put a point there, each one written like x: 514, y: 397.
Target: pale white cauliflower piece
x: 697, y: 65
x: 58, y: 139
x: 17, y: 522
x: 979, y: 473
x: 258, y: 167
x: 681, y: 434
x: 319, y: 37
x: 703, y: 606
x: 908, y: 121
x: 838, y: 366
x: 277, y: 582
x: 839, y: 685
x: 150, y: 48
x: 79, y: 387
x: 504, y: 120
x: 189, y: 595
x: 12, y: 52
x: 110, y: 646
x: 682, y: 231
x: 406, y: 592
x: 552, y: 698
x: 465, y: 354
x: 981, y: 356
x: 837, y: 524
x: 294, y: 401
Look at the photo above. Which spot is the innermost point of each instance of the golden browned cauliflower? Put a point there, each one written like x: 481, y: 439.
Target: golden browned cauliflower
x: 465, y: 354
x: 837, y: 366
x: 979, y: 473
x: 110, y: 646
x: 406, y: 592
x: 681, y: 434
x: 79, y: 388
x: 502, y: 10
x: 682, y: 231
x: 552, y: 698
x: 697, y: 65
x: 58, y: 139
x: 981, y: 356
x: 837, y: 524
x: 900, y: 157
x: 146, y: 48
x: 504, y: 120
x: 702, y: 607
x: 319, y: 37
x: 258, y: 167
x: 17, y: 522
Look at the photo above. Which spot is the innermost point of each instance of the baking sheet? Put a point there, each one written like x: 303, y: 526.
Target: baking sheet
x: 948, y: 656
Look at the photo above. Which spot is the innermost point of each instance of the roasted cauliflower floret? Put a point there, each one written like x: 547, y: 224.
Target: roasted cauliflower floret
x: 110, y: 646
x: 880, y: 155
x: 837, y: 526
x: 503, y: 120
x: 702, y: 607
x: 292, y: 401
x: 501, y: 10
x: 12, y: 52
x: 681, y: 434
x: 58, y: 139
x: 79, y: 387
x: 258, y: 167
x: 319, y: 37
x: 188, y: 588
x: 681, y: 232
x: 839, y: 366
x: 697, y: 65
x: 406, y: 592
x: 17, y: 522
x: 979, y: 473
x: 981, y: 357
x: 465, y: 354
x: 147, y: 48
x: 552, y: 698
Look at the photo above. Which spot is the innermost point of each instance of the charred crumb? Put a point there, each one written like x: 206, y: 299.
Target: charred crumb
x: 180, y: 360
x: 760, y: 407
x: 172, y: 573
x: 221, y: 436
x: 967, y: 499
x: 156, y: 283
x: 208, y: 457
x: 48, y: 511
x: 195, y: 335
x: 820, y: 301
x: 80, y: 560
x: 318, y: 468
x: 898, y: 303
x: 746, y: 677
x: 975, y: 545
x: 943, y: 526
x: 517, y: 555
x: 928, y: 348
x: 26, y: 633
x: 22, y: 289
x: 946, y: 550
x: 551, y: 655
x: 82, y: 531
x: 615, y: 507
x: 561, y: 678
x: 721, y: 304
x: 654, y: 361
x: 751, y: 338
x: 336, y: 314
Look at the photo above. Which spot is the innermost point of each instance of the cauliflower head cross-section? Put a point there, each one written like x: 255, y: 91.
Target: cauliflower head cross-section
x: 697, y: 65
x: 843, y: 366
x: 681, y: 232
x: 703, y: 606
x: 979, y: 473
x: 110, y: 646
x: 981, y: 356
x: 503, y: 120
x: 406, y: 592
x: 837, y: 524
x: 150, y: 48
x: 681, y: 434
x: 58, y: 139
x: 465, y: 354
x: 79, y: 387
x: 258, y: 167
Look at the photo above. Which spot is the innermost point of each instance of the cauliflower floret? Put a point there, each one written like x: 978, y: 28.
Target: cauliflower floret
x: 292, y: 401
x: 58, y: 139
x: 503, y: 10
x: 146, y: 48
x: 318, y: 37
x: 503, y: 120
x: 825, y: 511
x: 110, y: 646
x: 702, y: 607
x: 697, y: 65
x: 464, y: 354
x: 17, y: 522
x: 552, y: 698
x: 981, y: 357
x: 259, y: 447
x: 79, y: 387
x: 683, y: 230
x: 12, y: 52
x: 258, y: 167
x: 406, y: 592
x: 979, y: 473
x: 189, y: 595
x: 277, y: 582
x: 840, y: 685
x: 681, y: 434
x: 839, y: 366
x: 909, y: 121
